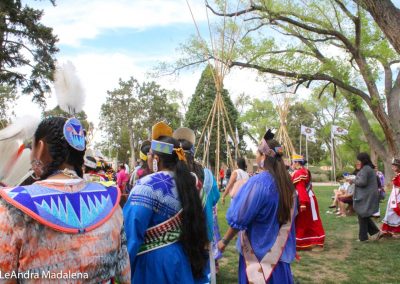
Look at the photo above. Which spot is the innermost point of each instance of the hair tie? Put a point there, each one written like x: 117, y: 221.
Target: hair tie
x: 143, y: 156
x: 271, y: 153
x: 180, y: 153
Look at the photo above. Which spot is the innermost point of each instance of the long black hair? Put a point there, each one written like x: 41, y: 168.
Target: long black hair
x: 241, y: 163
x: 145, y: 149
x: 192, y: 164
x: 365, y: 160
x: 277, y: 168
x: 50, y: 130
x: 194, y: 232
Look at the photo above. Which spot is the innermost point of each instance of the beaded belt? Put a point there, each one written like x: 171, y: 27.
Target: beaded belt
x: 162, y: 235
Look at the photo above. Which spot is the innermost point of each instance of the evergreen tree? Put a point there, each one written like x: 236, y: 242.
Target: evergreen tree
x: 199, y: 109
x: 27, y: 49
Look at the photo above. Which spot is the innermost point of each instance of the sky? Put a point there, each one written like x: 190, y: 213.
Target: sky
x: 108, y: 40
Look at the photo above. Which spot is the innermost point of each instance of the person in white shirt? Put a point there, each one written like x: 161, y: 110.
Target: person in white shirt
x: 238, y: 177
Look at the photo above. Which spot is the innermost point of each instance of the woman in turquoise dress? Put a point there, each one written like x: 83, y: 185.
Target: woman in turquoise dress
x: 164, y: 220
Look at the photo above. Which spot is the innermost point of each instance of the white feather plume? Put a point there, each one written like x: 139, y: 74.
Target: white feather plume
x: 11, y: 138
x: 22, y: 128
x: 69, y: 91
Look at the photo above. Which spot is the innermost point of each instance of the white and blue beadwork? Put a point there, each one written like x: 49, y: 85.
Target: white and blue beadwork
x: 78, y: 210
x: 74, y: 134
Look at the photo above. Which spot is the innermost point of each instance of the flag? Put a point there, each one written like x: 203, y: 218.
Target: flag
x: 337, y: 130
x: 308, y: 131
x: 311, y: 138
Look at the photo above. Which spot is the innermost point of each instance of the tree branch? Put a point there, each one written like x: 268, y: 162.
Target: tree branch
x: 20, y: 44
x: 306, y: 77
x: 323, y: 89
x: 346, y: 11
x: 235, y: 14
x: 387, y: 16
x: 252, y: 30
x: 394, y: 62
x: 178, y: 68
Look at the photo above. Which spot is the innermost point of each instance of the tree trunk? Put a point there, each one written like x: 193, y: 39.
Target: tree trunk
x: 376, y: 145
x: 389, y: 174
x: 390, y: 134
x: 132, y: 148
x: 387, y: 16
x: 2, y: 31
x: 393, y: 101
x: 374, y: 157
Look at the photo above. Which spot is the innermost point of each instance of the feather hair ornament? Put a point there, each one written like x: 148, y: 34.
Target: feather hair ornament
x: 11, y: 144
x: 69, y: 91
x: 269, y: 135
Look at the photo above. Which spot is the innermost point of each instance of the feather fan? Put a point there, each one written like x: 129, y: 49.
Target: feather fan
x: 69, y: 90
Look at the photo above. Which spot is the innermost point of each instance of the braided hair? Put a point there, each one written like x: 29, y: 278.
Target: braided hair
x: 51, y: 131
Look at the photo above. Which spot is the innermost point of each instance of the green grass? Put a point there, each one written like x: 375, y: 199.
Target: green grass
x: 344, y: 260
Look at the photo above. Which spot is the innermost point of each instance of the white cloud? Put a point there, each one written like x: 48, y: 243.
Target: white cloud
x: 75, y: 20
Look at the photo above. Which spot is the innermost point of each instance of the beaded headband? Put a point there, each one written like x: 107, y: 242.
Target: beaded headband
x: 167, y: 148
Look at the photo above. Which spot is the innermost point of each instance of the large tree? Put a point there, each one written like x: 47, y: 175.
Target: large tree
x: 129, y: 112
x: 199, y: 109
x: 387, y: 16
x: 27, y: 49
x: 327, y: 43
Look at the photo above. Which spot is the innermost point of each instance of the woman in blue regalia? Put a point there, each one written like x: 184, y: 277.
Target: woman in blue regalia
x: 164, y: 219
x: 262, y: 213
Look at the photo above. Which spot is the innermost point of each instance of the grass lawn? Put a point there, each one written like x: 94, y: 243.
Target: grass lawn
x: 344, y: 260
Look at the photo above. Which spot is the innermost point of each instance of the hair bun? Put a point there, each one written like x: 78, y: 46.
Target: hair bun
x: 269, y: 135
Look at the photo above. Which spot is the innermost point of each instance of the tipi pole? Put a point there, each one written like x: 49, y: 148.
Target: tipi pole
x: 205, y: 126
x: 307, y: 150
x: 300, y: 142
